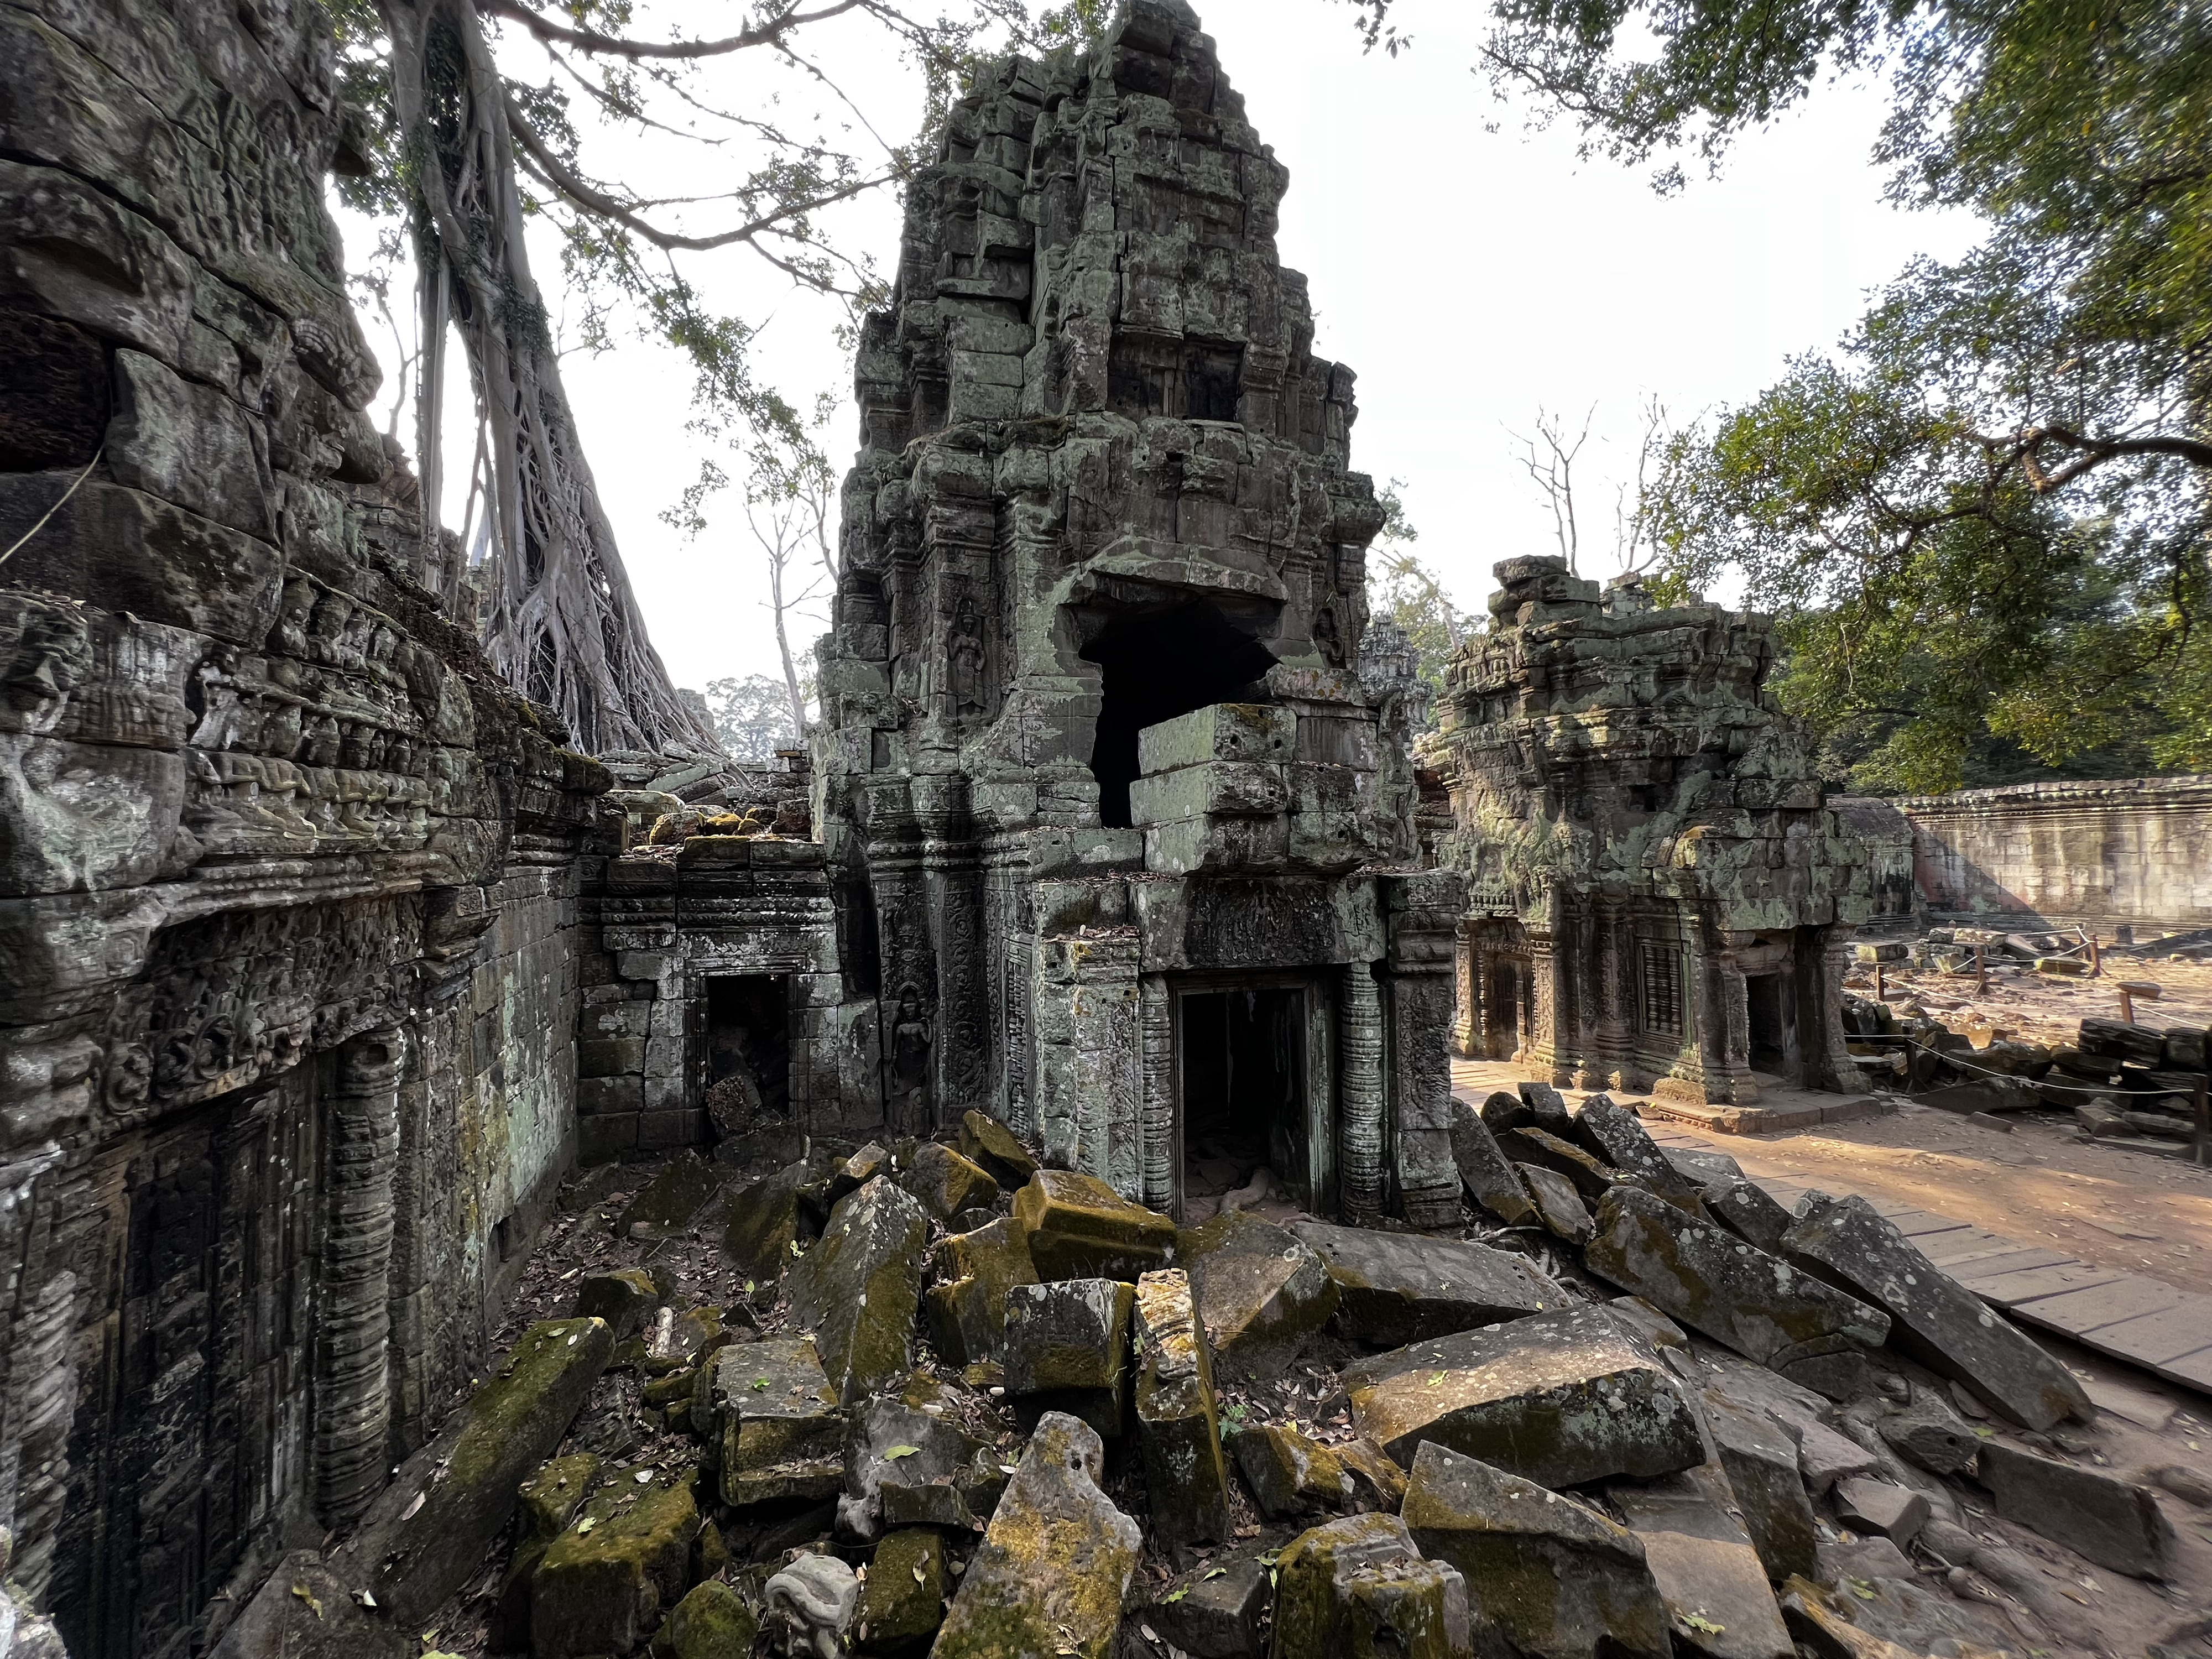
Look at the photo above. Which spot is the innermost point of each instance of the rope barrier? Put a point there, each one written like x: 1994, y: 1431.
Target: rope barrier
x: 1950, y: 1059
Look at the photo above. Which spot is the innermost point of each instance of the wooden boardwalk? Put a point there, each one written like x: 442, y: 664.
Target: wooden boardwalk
x: 2144, y: 1322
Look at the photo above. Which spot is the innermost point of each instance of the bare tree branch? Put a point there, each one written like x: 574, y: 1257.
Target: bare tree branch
x: 614, y: 45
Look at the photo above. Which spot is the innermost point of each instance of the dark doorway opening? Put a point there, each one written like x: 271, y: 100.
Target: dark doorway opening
x: 1502, y: 1012
x: 1243, y: 1092
x: 748, y: 1049
x: 1773, y: 1024
x: 1156, y: 667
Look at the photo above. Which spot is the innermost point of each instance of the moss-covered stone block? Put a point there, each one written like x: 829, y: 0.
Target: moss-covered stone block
x: 683, y: 1186
x: 986, y: 1141
x: 711, y: 1622
x: 1066, y: 1349
x: 607, y: 1580
x: 970, y: 1273
x: 1359, y: 1588
x: 1262, y: 1294
x: 765, y: 1220
x: 1289, y: 1474
x: 1177, y: 1425
x: 1077, y: 1227
x: 780, y: 1430
x: 902, y: 1603
x: 859, y: 1288
x: 625, y: 1299
x: 944, y: 1183
x: 1049, y: 1579
x: 510, y: 1426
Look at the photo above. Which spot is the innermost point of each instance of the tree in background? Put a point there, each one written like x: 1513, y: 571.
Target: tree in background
x: 752, y: 716
x: 464, y: 155
x: 1986, y: 520
x: 1409, y: 593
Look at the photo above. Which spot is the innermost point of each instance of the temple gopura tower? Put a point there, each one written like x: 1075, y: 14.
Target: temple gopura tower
x: 1659, y: 896
x: 1112, y: 775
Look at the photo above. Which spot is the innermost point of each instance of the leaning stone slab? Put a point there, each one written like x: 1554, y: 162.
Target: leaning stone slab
x: 683, y: 1187
x: 1748, y: 1210
x: 1760, y: 1458
x: 1557, y: 1579
x: 1929, y: 1434
x: 897, y: 1450
x: 2113, y: 1522
x: 780, y: 1431
x: 1868, y: 1505
x: 1484, y: 1171
x: 945, y: 1184
x: 1708, y: 1279
x: 605, y: 1583
x: 902, y: 1603
x: 1066, y: 1349
x: 1359, y: 1586
x: 985, y: 1141
x: 304, y: 1611
x: 1396, y: 1288
x: 626, y: 1299
x: 418, y: 1554
x: 1936, y: 1319
x: 969, y: 1275
x: 1559, y: 1207
x: 1216, y: 1612
x: 1289, y: 1474
x: 1080, y: 1228
x: 1049, y: 1578
x: 1529, y: 1144
x: 1559, y: 1399
x: 765, y: 1220
x: 1613, y: 1135
x: 1176, y: 1424
x: 1262, y: 1295
x: 858, y: 1288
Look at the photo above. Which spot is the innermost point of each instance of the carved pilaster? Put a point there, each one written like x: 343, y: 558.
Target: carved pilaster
x: 1156, y: 1019
x: 1360, y: 1099
x: 353, y: 1395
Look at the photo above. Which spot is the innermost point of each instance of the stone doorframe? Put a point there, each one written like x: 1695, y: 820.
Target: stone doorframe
x: 1315, y: 985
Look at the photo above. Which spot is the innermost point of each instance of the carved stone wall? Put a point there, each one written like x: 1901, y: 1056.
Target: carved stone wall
x: 288, y: 882
x: 1103, y: 715
x: 1659, y: 895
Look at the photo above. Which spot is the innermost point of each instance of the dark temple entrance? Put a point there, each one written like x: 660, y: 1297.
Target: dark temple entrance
x: 1771, y: 1003
x: 748, y: 1049
x: 1155, y: 667
x: 1243, y: 1088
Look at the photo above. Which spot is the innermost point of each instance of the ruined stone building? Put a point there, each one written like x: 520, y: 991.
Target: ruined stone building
x: 287, y: 881
x: 324, y: 960
x: 1659, y: 896
x: 1113, y: 790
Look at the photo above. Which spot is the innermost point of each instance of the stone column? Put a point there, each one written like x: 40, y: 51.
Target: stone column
x: 1162, y: 1148
x: 1359, y: 1116
x: 353, y: 1395
x: 1466, y: 979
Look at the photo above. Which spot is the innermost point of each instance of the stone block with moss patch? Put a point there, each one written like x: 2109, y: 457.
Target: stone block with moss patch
x: 1077, y: 1227
x: 424, y: 1553
x: 626, y: 1299
x: 765, y: 1220
x: 711, y: 1622
x: 1262, y: 1295
x: 1176, y: 1423
x: 606, y: 1583
x: 859, y: 1288
x: 969, y: 1275
x: 991, y: 1144
x: 902, y: 1603
x: 944, y: 1183
x: 1395, y: 1288
x: 1556, y: 1579
x: 779, y: 1428
x: 683, y: 1186
x: 1289, y: 1474
x: 1066, y: 1349
x: 1358, y: 1587
x: 1050, y: 1578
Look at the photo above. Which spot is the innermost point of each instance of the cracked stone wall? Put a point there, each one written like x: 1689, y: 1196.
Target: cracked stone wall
x: 1659, y: 894
x: 1105, y: 723
x: 288, y: 882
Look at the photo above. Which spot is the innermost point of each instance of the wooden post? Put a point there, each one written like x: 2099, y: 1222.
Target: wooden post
x: 2129, y: 990
x: 2201, y: 1142
x: 1881, y: 990
x: 2096, y: 959
x: 2127, y: 1005
x: 1981, y: 972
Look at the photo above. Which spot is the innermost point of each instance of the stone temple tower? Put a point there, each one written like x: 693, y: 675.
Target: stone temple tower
x: 1112, y: 772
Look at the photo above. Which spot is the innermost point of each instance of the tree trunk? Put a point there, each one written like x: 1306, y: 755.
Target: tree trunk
x: 563, y: 625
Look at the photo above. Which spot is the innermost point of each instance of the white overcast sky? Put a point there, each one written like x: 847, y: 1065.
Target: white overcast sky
x: 1469, y: 277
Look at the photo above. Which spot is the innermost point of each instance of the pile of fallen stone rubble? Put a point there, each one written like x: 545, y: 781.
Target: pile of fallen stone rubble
x: 2118, y: 1080
x: 971, y: 1408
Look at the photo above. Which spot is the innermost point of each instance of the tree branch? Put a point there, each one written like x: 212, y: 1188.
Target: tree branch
x: 555, y: 175
x: 615, y: 45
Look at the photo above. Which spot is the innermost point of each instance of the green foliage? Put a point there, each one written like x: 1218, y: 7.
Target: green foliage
x: 1987, y: 520
x: 1406, y: 592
